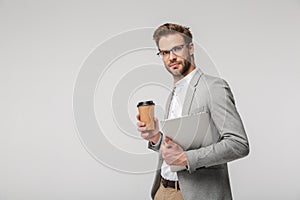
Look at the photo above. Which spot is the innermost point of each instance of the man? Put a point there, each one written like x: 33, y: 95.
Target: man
x: 206, y: 174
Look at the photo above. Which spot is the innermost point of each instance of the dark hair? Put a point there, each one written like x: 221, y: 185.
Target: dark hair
x: 169, y: 28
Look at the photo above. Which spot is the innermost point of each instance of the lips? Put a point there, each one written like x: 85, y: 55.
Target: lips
x: 174, y: 65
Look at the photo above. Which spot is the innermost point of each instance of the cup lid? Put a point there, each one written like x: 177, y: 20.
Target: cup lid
x: 145, y: 103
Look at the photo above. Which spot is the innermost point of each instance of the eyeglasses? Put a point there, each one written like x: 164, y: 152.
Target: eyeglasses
x: 177, y: 50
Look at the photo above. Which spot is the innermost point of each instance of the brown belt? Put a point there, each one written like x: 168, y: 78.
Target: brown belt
x: 171, y: 184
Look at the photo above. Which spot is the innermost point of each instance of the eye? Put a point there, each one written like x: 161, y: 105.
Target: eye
x: 165, y: 52
x: 177, y: 48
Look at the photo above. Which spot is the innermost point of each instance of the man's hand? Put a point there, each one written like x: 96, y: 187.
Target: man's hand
x: 152, y: 135
x: 172, y: 153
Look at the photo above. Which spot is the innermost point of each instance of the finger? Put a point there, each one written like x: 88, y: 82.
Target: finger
x: 166, y: 146
x: 140, y: 124
x: 163, y: 147
x: 142, y: 129
x: 163, y: 151
x: 145, y: 135
x: 168, y: 140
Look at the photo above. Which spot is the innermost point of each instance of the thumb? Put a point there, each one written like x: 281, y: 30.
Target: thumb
x: 168, y: 140
x: 156, y: 124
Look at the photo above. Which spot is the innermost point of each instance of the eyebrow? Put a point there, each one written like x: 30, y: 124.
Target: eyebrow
x: 171, y: 48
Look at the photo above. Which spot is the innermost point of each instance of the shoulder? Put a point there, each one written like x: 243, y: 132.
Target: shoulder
x: 210, y: 84
x: 216, y: 88
x: 213, y: 81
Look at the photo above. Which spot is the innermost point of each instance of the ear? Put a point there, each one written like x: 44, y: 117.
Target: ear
x: 191, y: 48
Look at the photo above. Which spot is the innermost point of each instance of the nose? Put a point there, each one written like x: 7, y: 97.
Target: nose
x: 172, y: 56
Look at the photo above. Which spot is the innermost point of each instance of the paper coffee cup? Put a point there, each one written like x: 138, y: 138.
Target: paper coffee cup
x: 146, y: 111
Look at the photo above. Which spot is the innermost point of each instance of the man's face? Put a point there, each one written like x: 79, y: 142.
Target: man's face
x: 178, y: 64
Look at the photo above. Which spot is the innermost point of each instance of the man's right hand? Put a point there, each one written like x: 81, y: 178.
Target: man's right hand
x: 152, y: 135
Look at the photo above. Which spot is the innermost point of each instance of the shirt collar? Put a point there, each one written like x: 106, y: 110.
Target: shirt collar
x: 186, y: 80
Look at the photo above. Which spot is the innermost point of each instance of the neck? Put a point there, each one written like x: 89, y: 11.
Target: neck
x: 178, y: 78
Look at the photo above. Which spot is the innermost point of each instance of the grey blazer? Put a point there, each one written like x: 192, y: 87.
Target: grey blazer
x: 207, y: 175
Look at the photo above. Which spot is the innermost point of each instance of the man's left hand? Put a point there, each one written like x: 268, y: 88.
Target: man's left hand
x: 172, y: 153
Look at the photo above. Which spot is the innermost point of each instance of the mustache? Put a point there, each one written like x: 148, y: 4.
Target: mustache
x: 175, y: 62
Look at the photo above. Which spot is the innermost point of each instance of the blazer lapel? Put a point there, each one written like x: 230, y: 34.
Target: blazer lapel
x: 189, y: 95
x: 191, y: 92
x: 168, y: 104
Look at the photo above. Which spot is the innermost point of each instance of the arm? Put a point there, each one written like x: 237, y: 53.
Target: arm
x: 233, y: 142
x: 154, y: 137
x: 156, y: 146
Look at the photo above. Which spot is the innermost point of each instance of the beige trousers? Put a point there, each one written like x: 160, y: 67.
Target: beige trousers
x: 167, y: 193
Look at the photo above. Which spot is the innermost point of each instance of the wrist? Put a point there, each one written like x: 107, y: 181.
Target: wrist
x: 183, y: 159
x: 155, y: 138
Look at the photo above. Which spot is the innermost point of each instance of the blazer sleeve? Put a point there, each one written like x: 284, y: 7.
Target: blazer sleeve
x: 156, y: 147
x: 233, y: 143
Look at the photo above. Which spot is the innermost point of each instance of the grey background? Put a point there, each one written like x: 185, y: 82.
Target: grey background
x: 254, y: 44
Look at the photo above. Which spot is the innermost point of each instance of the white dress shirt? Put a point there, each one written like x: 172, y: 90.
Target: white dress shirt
x: 175, y: 111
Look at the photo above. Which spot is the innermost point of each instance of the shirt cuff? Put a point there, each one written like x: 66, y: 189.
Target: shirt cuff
x: 156, y: 146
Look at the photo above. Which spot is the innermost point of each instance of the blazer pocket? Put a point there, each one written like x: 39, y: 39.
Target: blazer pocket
x: 221, y: 166
x: 201, y: 109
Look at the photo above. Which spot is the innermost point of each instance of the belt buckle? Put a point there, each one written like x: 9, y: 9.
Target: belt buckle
x: 164, y: 182
x: 171, y: 184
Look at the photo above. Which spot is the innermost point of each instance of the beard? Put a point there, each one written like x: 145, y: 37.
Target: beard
x: 180, y: 72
